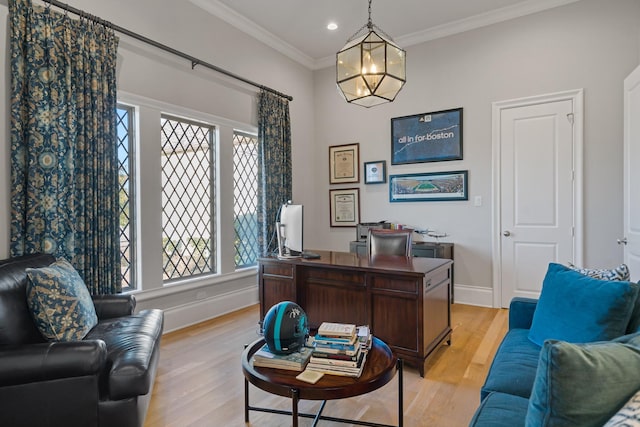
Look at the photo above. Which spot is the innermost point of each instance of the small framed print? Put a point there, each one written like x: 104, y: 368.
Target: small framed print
x: 344, y: 161
x: 344, y: 207
x: 375, y: 172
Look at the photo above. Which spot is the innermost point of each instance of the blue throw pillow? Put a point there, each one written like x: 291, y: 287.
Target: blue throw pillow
x: 619, y: 273
x: 60, y: 302
x: 579, y: 309
x: 583, y: 384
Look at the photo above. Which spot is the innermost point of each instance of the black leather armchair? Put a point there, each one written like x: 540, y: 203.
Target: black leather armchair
x: 104, y: 380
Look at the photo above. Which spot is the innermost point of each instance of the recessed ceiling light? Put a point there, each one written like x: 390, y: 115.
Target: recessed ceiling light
x: 332, y: 26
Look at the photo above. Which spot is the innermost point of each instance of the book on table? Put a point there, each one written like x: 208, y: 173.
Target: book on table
x: 295, y: 361
x: 346, y: 371
x: 331, y: 359
x: 337, y: 330
x: 335, y: 348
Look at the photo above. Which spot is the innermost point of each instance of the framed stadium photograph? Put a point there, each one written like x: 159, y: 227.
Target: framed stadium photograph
x: 429, y: 187
x: 428, y: 137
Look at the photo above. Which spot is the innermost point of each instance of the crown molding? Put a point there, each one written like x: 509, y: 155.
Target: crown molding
x: 230, y: 16
x: 249, y: 27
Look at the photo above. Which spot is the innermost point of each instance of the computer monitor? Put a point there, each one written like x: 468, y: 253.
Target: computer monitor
x: 290, y: 230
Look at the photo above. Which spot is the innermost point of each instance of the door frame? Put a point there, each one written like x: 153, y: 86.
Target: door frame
x: 577, y: 98
x: 630, y: 82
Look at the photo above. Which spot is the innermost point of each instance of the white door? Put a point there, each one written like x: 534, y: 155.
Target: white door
x: 536, y: 194
x: 632, y: 174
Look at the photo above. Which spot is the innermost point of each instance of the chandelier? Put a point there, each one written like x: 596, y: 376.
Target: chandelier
x: 370, y: 68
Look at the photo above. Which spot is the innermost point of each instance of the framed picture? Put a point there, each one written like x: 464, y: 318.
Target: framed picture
x: 429, y: 137
x: 345, y: 207
x: 375, y: 172
x: 344, y: 161
x: 426, y: 187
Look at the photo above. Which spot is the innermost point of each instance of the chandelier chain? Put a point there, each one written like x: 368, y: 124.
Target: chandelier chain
x: 370, y: 26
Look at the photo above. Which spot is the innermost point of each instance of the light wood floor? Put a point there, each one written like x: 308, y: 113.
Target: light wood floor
x: 200, y: 382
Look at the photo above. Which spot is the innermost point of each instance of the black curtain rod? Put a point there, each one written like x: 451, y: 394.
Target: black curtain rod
x: 194, y: 61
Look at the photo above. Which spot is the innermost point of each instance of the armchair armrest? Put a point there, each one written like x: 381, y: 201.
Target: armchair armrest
x: 521, y: 312
x: 110, y: 306
x: 48, y: 361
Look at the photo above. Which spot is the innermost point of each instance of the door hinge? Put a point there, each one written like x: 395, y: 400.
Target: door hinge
x: 570, y: 117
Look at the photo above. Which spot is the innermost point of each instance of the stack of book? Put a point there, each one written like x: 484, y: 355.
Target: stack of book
x: 296, y: 361
x: 340, y: 349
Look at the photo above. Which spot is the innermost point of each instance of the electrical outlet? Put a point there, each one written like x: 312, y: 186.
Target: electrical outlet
x: 201, y: 294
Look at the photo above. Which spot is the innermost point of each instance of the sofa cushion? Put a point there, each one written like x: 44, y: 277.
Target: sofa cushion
x: 513, y: 369
x: 16, y: 323
x: 500, y: 410
x: 131, y: 343
x: 583, y: 384
x: 628, y: 415
x: 578, y: 309
x: 60, y: 302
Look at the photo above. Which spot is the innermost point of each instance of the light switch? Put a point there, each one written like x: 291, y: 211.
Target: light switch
x: 477, y: 201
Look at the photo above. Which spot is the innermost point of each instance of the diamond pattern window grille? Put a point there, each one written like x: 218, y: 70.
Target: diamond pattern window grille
x: 188, y: 232
x: 245, y: 198
x: 126, y: 176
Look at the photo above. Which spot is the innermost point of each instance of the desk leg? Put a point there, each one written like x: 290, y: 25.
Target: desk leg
x: 294, y: 409
x: 400, y: 395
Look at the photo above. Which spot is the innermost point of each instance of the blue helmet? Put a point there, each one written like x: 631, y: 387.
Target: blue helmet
x: 285, y: 328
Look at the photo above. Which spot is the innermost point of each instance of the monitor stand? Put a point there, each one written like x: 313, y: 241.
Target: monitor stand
x: 283, y: 251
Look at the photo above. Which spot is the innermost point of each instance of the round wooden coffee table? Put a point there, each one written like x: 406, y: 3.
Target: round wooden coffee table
x: 380, y: 368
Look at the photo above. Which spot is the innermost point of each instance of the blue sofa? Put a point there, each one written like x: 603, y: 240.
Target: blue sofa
x: 504, y: 397
x: 522, y: 371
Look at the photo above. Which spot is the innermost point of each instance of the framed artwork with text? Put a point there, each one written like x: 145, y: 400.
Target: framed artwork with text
x: 428, y: 137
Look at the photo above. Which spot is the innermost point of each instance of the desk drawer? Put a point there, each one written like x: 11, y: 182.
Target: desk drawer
x: 334, y: 276
x: 282, y: 269
x: 437, y: 277
x: 395, y: 283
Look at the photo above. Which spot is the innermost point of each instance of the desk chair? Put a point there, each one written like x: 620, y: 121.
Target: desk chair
x: 389, y: 242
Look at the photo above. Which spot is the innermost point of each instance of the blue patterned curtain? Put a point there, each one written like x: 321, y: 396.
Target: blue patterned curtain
x: 274, y: 164
x: 64, y: 160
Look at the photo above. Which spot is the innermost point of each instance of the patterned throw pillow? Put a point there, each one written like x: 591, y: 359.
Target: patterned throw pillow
x: 60, y: 302
x: 628, y: 415
x: 620, y: 273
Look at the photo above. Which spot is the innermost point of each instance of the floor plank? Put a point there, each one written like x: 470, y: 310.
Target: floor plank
x: 200, y: 383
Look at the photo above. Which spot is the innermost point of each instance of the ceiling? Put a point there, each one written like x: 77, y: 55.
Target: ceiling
x: 298, y: 28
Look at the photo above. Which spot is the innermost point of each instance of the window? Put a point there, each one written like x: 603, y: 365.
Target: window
x: 245, y: 198
x: 188, y: 231
x: 126, y: 176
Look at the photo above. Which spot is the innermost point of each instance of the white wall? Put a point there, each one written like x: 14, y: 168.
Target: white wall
x: 591, y: 44
x: 161, y: 82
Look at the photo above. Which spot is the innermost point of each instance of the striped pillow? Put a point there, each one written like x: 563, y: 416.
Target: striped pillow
x: 628, y: 415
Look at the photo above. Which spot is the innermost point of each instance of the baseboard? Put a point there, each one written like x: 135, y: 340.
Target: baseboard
x: 198, y: 311
x: 473, y: 295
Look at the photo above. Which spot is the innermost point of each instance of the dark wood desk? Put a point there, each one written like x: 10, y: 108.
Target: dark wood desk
x: 405, y: 301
